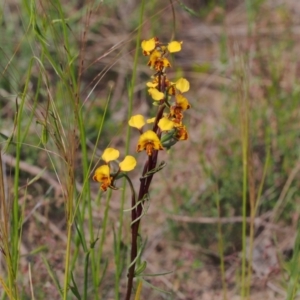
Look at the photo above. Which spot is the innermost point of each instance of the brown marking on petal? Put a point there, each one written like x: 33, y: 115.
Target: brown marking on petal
x: 182, y: 134
x: 172, y: 90
x: 177, y: 110
x: 161, y: 64
x: 106, y: 182
x: 103, y: 187
x: 149, y: 148
x: 158, y: 66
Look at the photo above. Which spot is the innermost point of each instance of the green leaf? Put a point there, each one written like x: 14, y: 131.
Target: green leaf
x: 74, y: 288
x: 187, y: 9
x: 53, y: 276
x: 140, y: 268
x: 156, y: 288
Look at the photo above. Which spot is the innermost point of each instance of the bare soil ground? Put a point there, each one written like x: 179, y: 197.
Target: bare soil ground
x: 176, y: 241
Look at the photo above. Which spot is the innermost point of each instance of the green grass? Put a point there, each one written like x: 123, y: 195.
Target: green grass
x: 71, y: 77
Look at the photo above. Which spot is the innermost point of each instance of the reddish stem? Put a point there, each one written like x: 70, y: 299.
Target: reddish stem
x: 143, y: 191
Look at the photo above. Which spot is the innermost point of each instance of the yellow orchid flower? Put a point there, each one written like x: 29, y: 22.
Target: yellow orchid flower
x: 149, y: 141
x: 180, y: 105
x: 157, y: 61
x: 102, y: 175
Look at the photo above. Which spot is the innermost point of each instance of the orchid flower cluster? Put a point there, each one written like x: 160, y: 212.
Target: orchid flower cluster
x: 167, y: 128
x: 105, y: 174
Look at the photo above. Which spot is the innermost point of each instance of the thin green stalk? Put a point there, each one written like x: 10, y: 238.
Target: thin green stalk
x: 250, y: 15
x: 86, y: 195
x: 16, y: 216
x: 266, y: 166
x: 69, y: 218
x: 244, y: 210
x: 123, y: 196
x: 86, y: 192
x: 221, y: 247
x: 4, y: 229
x: 244, y: 106
x: 104, y: 225
x: 246, y: 274
x: 64, y: 75
x: 119, y: 237
x: 25, y: 130
x: 88, y: 203
x: 293, y: 284
x: 69, y: 75
x: 66, y: 33
x: 245, y: 287
x: 86, y: 268
x: 253, y: 214
x: 94, y: 260
x: 67, y: 260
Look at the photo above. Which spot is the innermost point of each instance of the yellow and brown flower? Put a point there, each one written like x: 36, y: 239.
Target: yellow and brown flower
x: 181, y: 133
x: 102, y: 175
x: 149, y: 141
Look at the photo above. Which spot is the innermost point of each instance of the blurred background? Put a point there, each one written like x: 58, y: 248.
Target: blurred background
x: 242, y: 61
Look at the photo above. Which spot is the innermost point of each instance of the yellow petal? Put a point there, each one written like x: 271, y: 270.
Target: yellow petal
x: 165, y: 62
x: 149, y: 121
x: 149, y: 136
x: 156, y: 94
x: 148, y: 45
x: 110, y: 154
x: 182, y: 85
x: 182, y: 102
x: 165, y: 124
x: 152, y: 84
x: 137, y: 121
x: 101, y: 172
x: 174, y: 46
x: 127, y: 164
